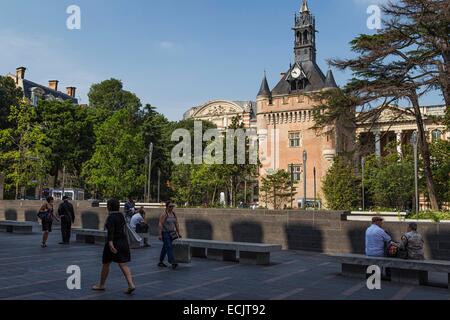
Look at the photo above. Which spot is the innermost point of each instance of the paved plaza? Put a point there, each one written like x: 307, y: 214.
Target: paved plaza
x: 30, y: 272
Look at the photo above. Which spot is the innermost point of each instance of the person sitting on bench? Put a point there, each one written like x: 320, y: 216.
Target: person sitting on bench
x: 377, y: 239
x: 412, y: 243
x: 138, y: 223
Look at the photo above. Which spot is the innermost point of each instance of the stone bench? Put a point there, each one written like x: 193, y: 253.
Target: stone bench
x: 16, y: 227
x: 185, y: 249
x: 404, y: 271
x: 90, y: 236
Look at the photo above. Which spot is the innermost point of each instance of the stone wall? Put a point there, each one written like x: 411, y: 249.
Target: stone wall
x: 327, y: 232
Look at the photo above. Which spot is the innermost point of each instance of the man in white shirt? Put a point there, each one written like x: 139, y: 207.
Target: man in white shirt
x: 138, y: 223
x: 376, y: 239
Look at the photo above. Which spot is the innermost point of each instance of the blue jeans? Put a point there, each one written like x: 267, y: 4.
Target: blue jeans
x: 167, y: 248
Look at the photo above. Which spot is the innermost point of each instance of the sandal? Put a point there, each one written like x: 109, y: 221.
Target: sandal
x: 98, y: 288
x: 130, y: 290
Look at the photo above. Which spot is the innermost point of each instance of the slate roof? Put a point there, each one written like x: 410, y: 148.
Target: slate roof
x: 264, y: 91
x: 315, y: 76
x: 28, y: 85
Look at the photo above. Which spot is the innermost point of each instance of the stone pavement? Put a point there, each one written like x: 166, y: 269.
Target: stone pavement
x: 29, y: 272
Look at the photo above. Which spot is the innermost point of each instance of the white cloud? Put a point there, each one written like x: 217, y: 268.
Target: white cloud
x: 166, y: 45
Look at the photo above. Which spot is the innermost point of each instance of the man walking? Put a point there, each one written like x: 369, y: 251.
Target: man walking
x: 67, y: 215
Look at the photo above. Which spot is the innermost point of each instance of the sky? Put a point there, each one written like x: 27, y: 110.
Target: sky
x: 174, y: 54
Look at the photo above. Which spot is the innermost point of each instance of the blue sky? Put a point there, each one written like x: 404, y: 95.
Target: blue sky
x: 174, y: 54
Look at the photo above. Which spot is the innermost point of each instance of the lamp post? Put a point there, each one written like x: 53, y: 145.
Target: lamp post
x: 315, y: 188
x: 363, y: 168
x: 414, y: 141
x: 150, y: 154
x: 292, y: 186
x: 305, y: 158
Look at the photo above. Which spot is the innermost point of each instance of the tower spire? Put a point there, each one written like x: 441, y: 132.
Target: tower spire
x: 305, y: 7
x: 264, y: 91
x: 305, y: 35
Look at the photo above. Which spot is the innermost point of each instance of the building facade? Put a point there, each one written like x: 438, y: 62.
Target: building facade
x: 34, y: 91
x: 285, y: 117
x: 222, y: 112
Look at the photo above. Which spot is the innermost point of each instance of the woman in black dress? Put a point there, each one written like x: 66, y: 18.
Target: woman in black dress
x: 117, y: 248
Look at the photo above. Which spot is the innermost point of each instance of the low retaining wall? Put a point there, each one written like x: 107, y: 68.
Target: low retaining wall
x: 319, y: 231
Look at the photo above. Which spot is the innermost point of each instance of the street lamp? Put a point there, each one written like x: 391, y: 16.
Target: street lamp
x: 305, y: 158
x: 363, y: 169
x: 414, y: 141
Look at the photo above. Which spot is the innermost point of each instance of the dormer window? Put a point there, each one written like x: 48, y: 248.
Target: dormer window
x: 36, y: 94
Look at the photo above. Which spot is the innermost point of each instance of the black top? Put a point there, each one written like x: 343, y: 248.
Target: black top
x: 115, y: 224
x: 66, y: 209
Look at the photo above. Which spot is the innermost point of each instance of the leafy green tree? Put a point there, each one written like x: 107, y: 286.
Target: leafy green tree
x: 440, y: 164
x: 341, y: 186
x: 10, y: 95
x: 116, y: 168
x: 68, y: 130
x: 153, y: 126
x: 109, y: 96
x: 24, y: 153
x: 390, y: 181
x: 277, y: 189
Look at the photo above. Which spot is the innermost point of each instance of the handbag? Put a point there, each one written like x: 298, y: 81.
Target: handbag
x: 174, y: 235
x: 43, y: 215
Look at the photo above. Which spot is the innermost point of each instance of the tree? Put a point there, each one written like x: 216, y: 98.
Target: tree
x: 116, y: 168
x: 153, y: 126
x: 440, y: 164
x: 277, y: 189
x: 399, y: 62
x: 10, y: 95
x: 390, y: 181
x: 109, y: 96
x: 341, y: 186
x: 69, y: 135
x: 23, y: 149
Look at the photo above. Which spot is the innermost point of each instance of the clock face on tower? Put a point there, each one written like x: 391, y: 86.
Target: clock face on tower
x: 296, y: 73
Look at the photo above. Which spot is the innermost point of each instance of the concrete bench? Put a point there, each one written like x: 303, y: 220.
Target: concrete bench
x: 404, y: 271
x: 16, y: 227
x: 90, y: 236
x: 185, y: 249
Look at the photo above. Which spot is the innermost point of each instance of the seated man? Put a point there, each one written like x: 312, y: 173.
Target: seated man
x: 412, y: 242
x: 376, y: 239
x: 138, y: 223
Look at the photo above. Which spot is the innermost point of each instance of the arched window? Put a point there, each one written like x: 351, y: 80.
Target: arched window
x: 436, y: 135
x: 299, y: 37
x: 305, y: 37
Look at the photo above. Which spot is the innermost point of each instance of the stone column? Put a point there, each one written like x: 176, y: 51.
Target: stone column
x: 377, y: 135
x: 399, y: 142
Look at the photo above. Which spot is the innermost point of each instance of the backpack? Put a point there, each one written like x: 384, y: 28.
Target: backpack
x: 392, y: 251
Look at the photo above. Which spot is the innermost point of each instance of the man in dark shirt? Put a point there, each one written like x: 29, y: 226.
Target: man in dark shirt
x: 67, y: 215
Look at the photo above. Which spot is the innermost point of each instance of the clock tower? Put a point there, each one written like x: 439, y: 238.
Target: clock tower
x: 305, y: 35
x: 286, y: 118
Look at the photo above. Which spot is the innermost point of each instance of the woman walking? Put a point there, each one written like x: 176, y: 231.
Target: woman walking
x: 169, y: 230
x: 117, y: 248
x: 46, y: 215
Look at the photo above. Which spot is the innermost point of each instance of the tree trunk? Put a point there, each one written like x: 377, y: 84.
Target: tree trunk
x: 55, y: 178
x: 425, y: 151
